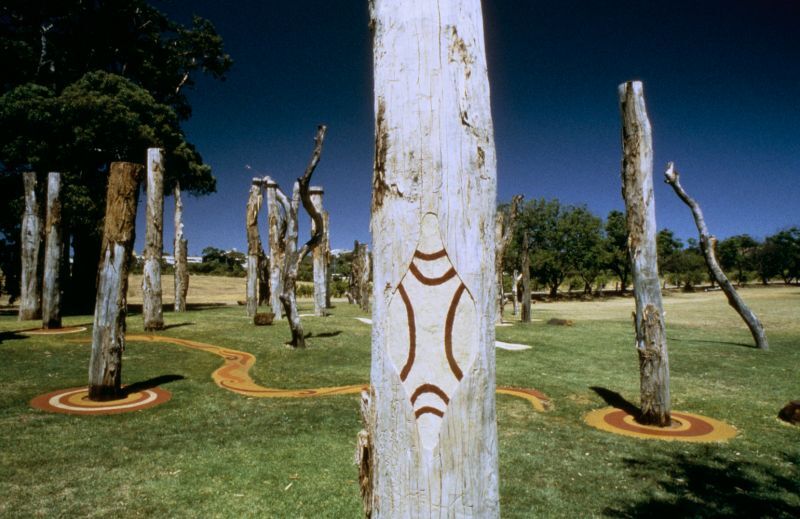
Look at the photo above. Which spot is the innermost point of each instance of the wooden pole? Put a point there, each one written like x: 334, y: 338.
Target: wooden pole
x: 152, y: 311
x: 326, y: 240
x: 515, y: 292
x: 640, y: 217
x: 254, y: 250
x: 525, y: 313
x: 54, y: 247
x: 363, y: 277
x: 108, y: 332
x: 430, y: 420
x: 353, y: 291
x: 181, y: 253
x: 319, y: 255
x: 30, y: 297
x: 708, y: 245
x: 504, y: 230
x: 277, y: 254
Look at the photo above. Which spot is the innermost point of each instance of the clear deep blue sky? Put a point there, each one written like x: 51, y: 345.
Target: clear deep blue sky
x: 721, y: 78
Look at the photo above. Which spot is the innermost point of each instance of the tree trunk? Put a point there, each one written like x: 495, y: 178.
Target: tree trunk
x: 326, y: 220
x: 504, y: 230
x: 254, y: 250
x: 363, y: 277
x: 300, y: 193
x: 54, y: 247
x: 432, y: 435
x: 30, y: 296
x: 277, y: 231
x: 319, y: 261
x: 108, y: 332
x: 708, y: 246
x: 515, y: 292
x: 640, y: 209
x: 152, y: 310
x: 525, y: 316
x: 181, y: 253
x: 354, y: 293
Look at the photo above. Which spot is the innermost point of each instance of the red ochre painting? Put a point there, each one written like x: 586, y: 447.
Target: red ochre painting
x: 686, y: 427
x: 233, y: 375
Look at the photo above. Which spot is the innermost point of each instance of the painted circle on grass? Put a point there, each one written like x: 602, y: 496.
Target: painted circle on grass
x: 76, y: 401
x: 685, y: 427
x: 53, y: 331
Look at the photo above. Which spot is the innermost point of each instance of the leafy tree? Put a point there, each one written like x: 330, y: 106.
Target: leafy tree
x: 669, y: 251
x: 583, y: 241
x: 784, y: 252
x: 615, y: 247
x: 736, y: 255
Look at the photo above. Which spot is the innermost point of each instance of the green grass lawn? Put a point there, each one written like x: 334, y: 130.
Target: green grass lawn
x: 212, y: 453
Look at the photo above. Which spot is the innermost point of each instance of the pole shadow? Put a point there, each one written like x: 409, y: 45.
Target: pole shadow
x: 150, y: 383
x: 617, y: 401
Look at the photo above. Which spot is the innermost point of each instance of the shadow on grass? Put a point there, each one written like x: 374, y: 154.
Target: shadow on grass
x: 696, y: 486
x: 11, y: 336
x: 323, y: 335
x: 151, y: 383
x: 726, y: 343
x: 176, y: 325
x: 616, y: 400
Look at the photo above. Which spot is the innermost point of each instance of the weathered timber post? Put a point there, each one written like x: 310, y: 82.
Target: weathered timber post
x: 294, y: 257
x: 53, y: 250
x: 254, y: 250
x: 363, y: 277
x: 108, y: 333
x: 319, y: 255
x: 640, y: 218
x: 708, y: 245
x: 430, y: 420
x: 326, y: 220
x: 525, y: 313
x: 353, y: 292
x: 504, y: 230
x: 30, y: 283
x: 152, y: 311
x: 181, y: 253
x: 515, y: 279
x: 277, y: 254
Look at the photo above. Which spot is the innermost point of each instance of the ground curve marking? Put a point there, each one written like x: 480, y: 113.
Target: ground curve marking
x: 75, y: 400
x: 686, y: 427
x: 52, y: 331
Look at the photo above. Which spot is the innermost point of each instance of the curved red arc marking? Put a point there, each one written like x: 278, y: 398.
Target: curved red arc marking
x: 428, y: 409
x: 430, y: 388
x: 422, y: 278
x: 412, y: 333
x: 448, y: 332
x: 430, y: 257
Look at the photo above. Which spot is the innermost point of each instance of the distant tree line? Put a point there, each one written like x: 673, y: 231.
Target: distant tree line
x: 571, y: 248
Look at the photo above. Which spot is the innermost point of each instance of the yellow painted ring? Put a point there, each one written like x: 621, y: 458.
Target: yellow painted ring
x: 76, y: 401
x: 687, y: 427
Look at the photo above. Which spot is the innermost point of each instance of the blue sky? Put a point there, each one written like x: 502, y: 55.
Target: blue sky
x: 721, y: 79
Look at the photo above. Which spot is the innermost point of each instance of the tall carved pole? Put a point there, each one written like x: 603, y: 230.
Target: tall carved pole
x: 363, y: 277
x: 515, y: 279
x: 431, y: 430
x: 181, y: 253
x: 153, y: 242
x: 525, y: 314
x: 353, y: 291
x: 277, y: 230
x: 326, y: 220
x: 254, y: 250
x: 30, y: 297
x: 108, y: 333
x: 504, y: 230
x: 640, y: 217
x: 53, y: 249
x: 707, y: 245
x: 320, y: 263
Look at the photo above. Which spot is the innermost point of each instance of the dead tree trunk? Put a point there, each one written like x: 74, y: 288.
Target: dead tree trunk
x: 708, y: 245
x: 30, y: 283
x: 294, y: 257
x: 363, y: 277
x: 525, y: 314
x: 108, y: 333
x: 54, y: 247
x: 277, y: 254
x: 320, y: 251
x: 504, y: 230
x: 433, y: 436
x: 152, y: 310
x: 326, y: 220
x: 640, y: 216
x: 353, y: 292
x: 181, y: 253
x: 254, y: 250
x: 515, y: 279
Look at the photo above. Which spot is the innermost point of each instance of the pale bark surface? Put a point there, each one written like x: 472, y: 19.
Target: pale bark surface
x: 640, y: 215
x: 515, y: 279
x: 504, y: 229
x: 708, y: 245
x: 326, y: 220
x: 294, y: 257
x: 433, y: 432
x: 108, y: 332
x: 277, y: 254
x: 362, y: 282
x: 254, y: 249
x: 30, y: 283
x: 319, y: 263
x: 53, y: 250
x: 353, y: 292
x: 525, y: 313
x: 152, y: 311
x: 181, y: 254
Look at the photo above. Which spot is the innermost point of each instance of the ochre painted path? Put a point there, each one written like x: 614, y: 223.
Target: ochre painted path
x: 686, y: 427
x: 234, y: 376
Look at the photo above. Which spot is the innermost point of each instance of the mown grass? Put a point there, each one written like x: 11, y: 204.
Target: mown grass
x: 212, y: 453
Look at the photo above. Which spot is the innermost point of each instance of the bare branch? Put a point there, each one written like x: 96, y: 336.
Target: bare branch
x: 304, y: 182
